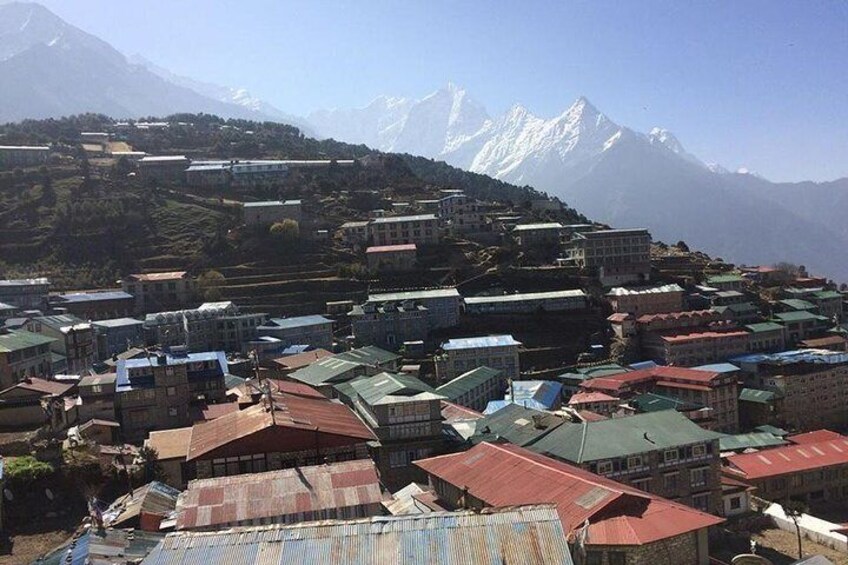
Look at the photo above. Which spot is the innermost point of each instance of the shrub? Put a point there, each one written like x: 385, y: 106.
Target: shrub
x: 287, y: 231
x: 26, y: 470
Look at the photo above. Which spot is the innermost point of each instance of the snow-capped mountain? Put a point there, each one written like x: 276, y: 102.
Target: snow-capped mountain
x: 49, y: 68
x: 608, y: 172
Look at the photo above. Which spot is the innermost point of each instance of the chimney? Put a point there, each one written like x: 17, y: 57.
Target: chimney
x: 537, y: 422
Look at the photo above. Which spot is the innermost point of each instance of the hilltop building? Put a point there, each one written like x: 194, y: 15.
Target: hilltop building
x: 615, y: 257
x: 160, y: 291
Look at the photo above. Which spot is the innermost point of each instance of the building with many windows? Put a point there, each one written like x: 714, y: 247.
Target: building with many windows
x: 23, y: 354
x: 73, y: 340
x: 422, y: 229
x: 272, y: 211
x: 614, y: 256
x: 646, y: 300
x: 26, y: 294
x: 156, y: 292
x: 444, y: 305
x: 12, y: 156
x: 156, y: 392
x: 315, y: 331
x: 406, y: 416
x: 528, y: 302
x: 390, y: 324
x: 461, y: 355
x: 475, y: 388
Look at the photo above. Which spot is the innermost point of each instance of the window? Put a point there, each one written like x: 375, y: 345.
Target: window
x: 172, y: 412
x: 670, y: 482
x: 171, y: 391
x: 642, y: 484
x: 617, y: 558
x: 594, y: 558
x: 736, y: 503
x: 699, y: 477
x: 634, y: 462
x: 699, y: 450
x: 701, y: 502
x: 670, y: 455
x: 604, y: 467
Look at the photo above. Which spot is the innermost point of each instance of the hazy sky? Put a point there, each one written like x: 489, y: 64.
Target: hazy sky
x: 760, y: 84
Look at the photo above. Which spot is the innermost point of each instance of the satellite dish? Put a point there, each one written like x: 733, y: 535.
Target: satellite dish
x: 8, y: 494
x: 48, y: 493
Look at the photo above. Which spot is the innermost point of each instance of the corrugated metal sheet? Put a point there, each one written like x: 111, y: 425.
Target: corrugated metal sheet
x: 618, y: 514
x: 284, y: 496
x: 518, y: 536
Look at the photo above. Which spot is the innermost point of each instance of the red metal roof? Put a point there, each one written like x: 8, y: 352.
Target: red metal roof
x: 158, y: 276
x: 789, y: 459
x: 212, y: 503
x: 686, y: 386
x: 619, y: 317
x: 451, y: 412
x: 707, y: 314
x: 292, y: 362
x: 251, y: 388
x: 677, y: 338
x: 213, y: 411
x: 589, y: 416
x: 289, y: 411
x: 668, y: 374
x: 504, y: 475
x: 813, y: 437
x: 584, y: 397
x: 391, y: 248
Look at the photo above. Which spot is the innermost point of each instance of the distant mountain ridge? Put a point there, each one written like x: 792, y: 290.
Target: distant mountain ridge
x: 49, y: 68
x: 613, y: 174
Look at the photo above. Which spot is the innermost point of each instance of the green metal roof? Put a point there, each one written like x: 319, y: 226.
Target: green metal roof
x: 773, y: 430
x: 764, y: 327
x: 740, y: 442
x: 377, y: 387
x: 825, y: 294
x: 652, y: 402
x: 516, y: 424
x: 369, y: 355
x: 620, y: 437
x: 602, y: 370
x: 724, y: 279
x: 16, y: 340
x: 799, y: 316
x: 798, y: 304
x: 326, y: 370
x: 468, y: 381
x: 756, y: 395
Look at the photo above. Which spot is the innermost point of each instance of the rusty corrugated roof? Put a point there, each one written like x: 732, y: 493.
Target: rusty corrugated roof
x: 283, y: 496
x: 527, y: 535
x: 501, y: 475
x: 290, y: 411
x: 170, y: 444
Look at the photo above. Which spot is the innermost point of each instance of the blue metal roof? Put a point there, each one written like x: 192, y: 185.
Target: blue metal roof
x: 124, y: 384
x: 94, y: 296
x: 718, y: 368
x: 474, y: 342
x: 296, y: 322
x: 821, y: 356
x: 544, y: 393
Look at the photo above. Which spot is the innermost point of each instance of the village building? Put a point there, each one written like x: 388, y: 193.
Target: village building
x: 538, y: 395
x: 813, y: 469
x: 143, y: 509
x: 98, y: 305
x: 405, y: 415
x: 661, y: 452
x: 475, y: 388
x: 422, y: 229
x: 615, y: 257
x: 156, y: 392
x: 156, y: 292
x: 801, y: 324
x: 315, y: 331
x: 73, y: 341
x: 621, y: 524
x: 171, y: 447
x: 526, y: 534
x: 808, y: 387
x: 354, y: 234
x: 24, y: 354
x: 163, y: 168
x: 829, y: 303
x: 271, y: 212
x: 461, y: 355
x: 538, y: 236
x: 29, y: 403
x: 327, y: 372
x: 117, y: 335
x: 283, y: 431
x: 213, y: 325
x: 391, y: 324
x: 96, y: 398
x: 595, y: 402
x: 25, y: 294
x: 766, y: 337
x: 460, y: 214
x: 528, y: 302
x: 12, y: 156
x: 715, y: 390
x: 444, y: 305
x: 288, y: 364
x: 696, y: 347
x: 646, y: 300
x: 391, y: 258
